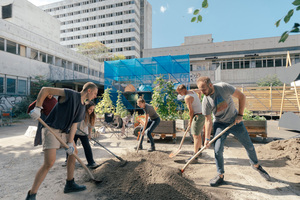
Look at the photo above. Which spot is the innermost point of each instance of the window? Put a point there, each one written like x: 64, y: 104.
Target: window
x: 1, y: 44
x: 34, y: 54
x: 21, y: 86
x: 11, y: 85
x: 7, y: 11
x: 236, y: 64
x: 258, y: 63
x: 247, y: 63
x: 229, y: 65
x: 270, y: 63
x: 278, y: 63
x: 42, y: 57
x: 1, y: 84
x: 50, y: 59
x: 11, y: 47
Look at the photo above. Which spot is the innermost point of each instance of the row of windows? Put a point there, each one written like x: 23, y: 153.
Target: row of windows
x: 89, y: 2
x: 75, y: 37
x: 13, y: 86
x: 127, y: 21
x: 259, y: 62
x: 12, y: 47
x: 126, y: 12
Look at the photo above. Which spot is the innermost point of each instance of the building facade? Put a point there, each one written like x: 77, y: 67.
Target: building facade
x: 29, y: 47
x: 241, y: 62
x: 124, y: 26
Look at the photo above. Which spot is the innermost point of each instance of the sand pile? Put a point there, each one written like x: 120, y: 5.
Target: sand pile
x: 144, y: 177
x: 282, y: 149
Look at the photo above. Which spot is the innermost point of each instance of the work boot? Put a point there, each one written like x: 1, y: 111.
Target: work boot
x: 30, y: 196
x: 152, y: 148
x: 141, y: 147
x: 71, y: 186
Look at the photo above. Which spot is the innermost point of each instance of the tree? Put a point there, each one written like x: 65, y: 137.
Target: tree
x: 121, y: 109
x: 118, y: 57
x: 94, y: 50
x: 105, y: 105
x: 287, y: 18
x: 270, y: 80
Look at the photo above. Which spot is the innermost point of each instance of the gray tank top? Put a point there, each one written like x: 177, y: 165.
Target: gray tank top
x: 197, y: 105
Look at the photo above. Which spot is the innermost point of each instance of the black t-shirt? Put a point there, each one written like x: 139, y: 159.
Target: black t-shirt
x: 66, y: 113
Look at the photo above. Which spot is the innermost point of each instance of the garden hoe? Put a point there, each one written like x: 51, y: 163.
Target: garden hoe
x: 123, y: 162
x: 175, y: 152
x: 202, y: 149
x: 66, y: 146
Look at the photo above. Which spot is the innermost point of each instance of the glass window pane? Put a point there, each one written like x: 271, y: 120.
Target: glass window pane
x: 34, y: 54
x: 50, y: 59
x: 278, y: 63
x: 11, y: 85
x: 21, y: 87
x: 236, y: 64
x: 247, y: 63
x: 229, y: 65
x: 11, y: 47
x: 1, y: 44
x: 258, y: 63
x: 1, y: 84
x: 270, y: 63
x: 42, y: 57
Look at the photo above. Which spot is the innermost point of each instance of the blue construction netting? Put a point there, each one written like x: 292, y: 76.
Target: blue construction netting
x: 142, y: 72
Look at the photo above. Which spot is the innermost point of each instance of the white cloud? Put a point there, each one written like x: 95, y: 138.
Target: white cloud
x: 163, y: 9
x: 190, y: 10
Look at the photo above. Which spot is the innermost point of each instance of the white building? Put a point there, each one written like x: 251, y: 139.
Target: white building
x: 241, y: 62
x: 29, y: 47
x: 125, y: 26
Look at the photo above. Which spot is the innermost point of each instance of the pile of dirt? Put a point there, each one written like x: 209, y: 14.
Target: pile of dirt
x: 282, y: 149
x: 145, y: 176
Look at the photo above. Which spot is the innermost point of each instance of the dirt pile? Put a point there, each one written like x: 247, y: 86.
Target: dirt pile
x: 144, y: 177
x: 282, y: 149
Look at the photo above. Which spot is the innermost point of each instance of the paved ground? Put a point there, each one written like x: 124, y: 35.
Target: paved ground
x: 19, y: 161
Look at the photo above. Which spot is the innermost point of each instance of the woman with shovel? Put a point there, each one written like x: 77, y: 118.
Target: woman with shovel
x: 152, y: 120
x: 84, y: 127
x: 63, y: 121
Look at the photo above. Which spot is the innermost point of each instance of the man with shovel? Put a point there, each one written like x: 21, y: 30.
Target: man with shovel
x: 63, y: 120
x: 218, y: 100
x: 196, y: 118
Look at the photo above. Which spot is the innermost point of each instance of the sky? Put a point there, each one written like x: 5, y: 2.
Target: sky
x: 226, y: 20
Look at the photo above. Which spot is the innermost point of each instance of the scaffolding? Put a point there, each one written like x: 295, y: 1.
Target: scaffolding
x: 138, y: 75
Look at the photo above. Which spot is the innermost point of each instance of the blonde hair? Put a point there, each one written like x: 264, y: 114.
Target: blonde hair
x: 180, y: 87
x: 204, y: 79
x: 141, y: 99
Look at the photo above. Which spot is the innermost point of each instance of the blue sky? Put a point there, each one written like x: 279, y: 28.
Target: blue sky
x: 226, y: 20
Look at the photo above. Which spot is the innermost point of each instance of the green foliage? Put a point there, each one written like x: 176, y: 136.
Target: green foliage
x: 20, y: 109
x: 121, y: 109
x: 248, y: 116
x: 185, y: 113
x: 164, y: 99
x: 198, y: 17
x: 105, y: 105
x: 269, y: 80
x: 286, y: 19
x: 37, y: 84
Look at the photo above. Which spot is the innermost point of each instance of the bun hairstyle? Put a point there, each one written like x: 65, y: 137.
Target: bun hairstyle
x: 140, y: 99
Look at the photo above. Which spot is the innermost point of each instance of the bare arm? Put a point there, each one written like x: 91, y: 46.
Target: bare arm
x: 189, y: 100
x: 146, y: 122
x: 72, y: 132
x: 45, y: 91
x: 208, y: 128
x: 242, y: 101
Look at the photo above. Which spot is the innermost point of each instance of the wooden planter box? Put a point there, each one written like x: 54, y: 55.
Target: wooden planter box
x: 256, y: 128
x: 165, y: 127
x: 182, y: 124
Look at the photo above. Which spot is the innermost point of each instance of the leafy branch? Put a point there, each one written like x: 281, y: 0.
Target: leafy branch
x: 287, y: 18
x: 198, y: 17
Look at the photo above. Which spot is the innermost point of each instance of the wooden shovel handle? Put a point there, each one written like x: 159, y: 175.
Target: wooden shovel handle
x: 66, y: 146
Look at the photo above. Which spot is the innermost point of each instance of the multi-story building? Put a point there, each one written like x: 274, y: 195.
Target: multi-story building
x: 124, y: 26
x: 241, y: 62
x: 29, y: 47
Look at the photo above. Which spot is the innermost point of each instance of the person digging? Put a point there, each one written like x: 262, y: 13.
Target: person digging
x: 218, y: 100
x: 196, y: 118
x: 63, y: 120
x: 152, y: 120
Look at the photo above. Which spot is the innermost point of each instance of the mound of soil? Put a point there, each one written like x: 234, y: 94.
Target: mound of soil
x: 145, y: 176
x: 282, y: 149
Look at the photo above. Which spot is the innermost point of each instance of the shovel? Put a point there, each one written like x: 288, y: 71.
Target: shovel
x: 139, y: 142
x: 175, y: 152
x: 66, y: 146
x: 124, y: 162
x: 202, y: 149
